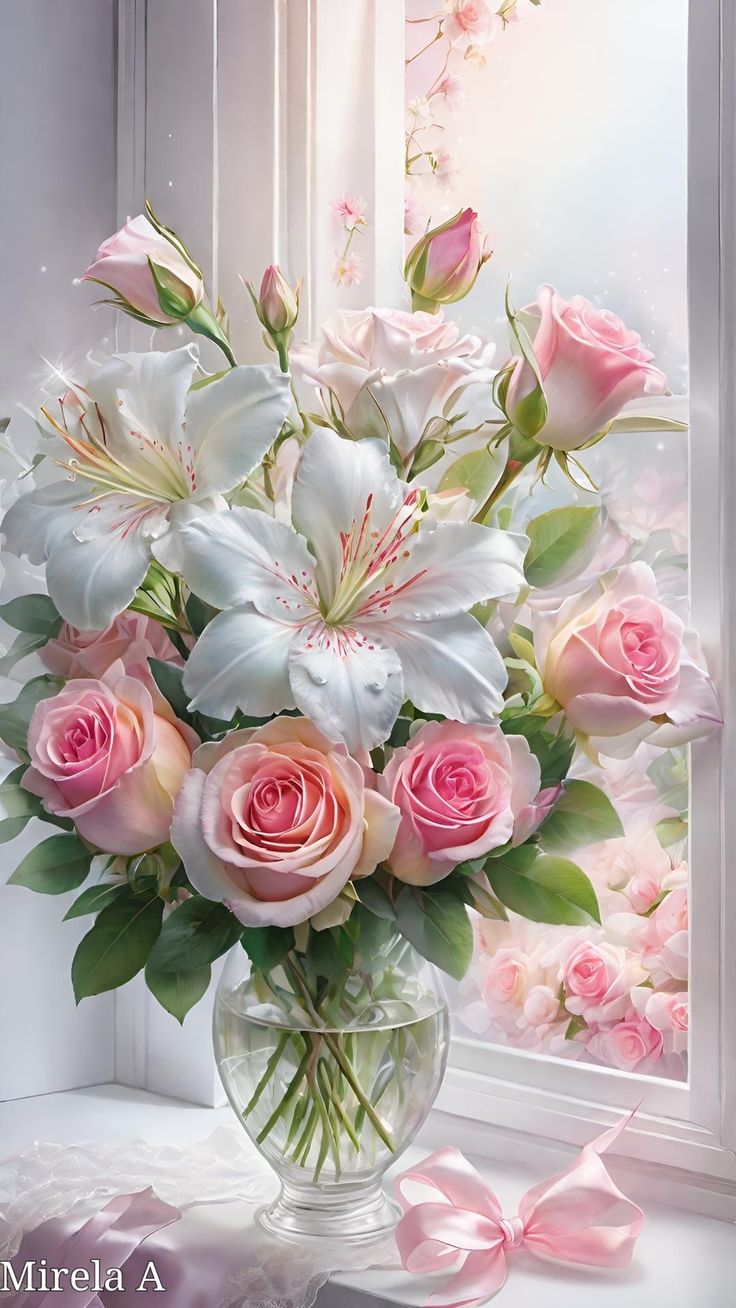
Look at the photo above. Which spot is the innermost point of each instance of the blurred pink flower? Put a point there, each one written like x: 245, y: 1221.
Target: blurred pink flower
x: 633, y: 1045
x: 452, y: 89
x: 350, y: 210
x: 598, y: 978
x: 446, y: 168
x: 664, y: 939
x: 416, y: 214
x: 348, y: 270
x: 470, y: 23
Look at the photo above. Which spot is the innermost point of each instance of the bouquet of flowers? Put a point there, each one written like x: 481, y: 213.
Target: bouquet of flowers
x: 298, y: 691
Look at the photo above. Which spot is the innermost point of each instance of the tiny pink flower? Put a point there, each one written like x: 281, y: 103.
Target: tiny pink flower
x: 348, y: 270
x: 470, y: 23
x: 350, y: 210
x: 452, y: 89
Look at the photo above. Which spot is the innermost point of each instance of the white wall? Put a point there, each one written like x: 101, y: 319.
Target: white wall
x: 58, y: 170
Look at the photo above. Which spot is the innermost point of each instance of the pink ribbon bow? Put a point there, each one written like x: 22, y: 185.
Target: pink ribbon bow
x: 579, y: 1216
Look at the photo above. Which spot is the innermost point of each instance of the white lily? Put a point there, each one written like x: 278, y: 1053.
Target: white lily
x: 357, y: 606
x: 144, y: 454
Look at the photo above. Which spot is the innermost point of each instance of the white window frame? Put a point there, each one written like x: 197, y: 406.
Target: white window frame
x: 187, y: 119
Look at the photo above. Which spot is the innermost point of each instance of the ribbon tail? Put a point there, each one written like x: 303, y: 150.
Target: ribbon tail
x: 481, y: 1277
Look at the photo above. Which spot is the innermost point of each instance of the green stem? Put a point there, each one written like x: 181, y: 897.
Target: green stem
x: 270, y: 1069
x: 522, y: 450
x: 291, y: 1090
x: 203, y: 321
x: 336, y: 1050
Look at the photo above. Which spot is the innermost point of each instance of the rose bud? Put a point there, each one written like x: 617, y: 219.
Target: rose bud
x: 588, y: 366
x: 150, y: 272
x: 443, y: 265
x: 277, y: 305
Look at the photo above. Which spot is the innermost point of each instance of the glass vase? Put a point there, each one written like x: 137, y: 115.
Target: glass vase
x: 331, y: 1076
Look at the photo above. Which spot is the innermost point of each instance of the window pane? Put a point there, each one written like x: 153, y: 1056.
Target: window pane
x: 569, y: 138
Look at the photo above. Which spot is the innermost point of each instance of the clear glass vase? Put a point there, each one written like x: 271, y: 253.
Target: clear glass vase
x: 331, y: 1079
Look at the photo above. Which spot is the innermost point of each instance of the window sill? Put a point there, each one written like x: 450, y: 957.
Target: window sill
x: 682, y: 1258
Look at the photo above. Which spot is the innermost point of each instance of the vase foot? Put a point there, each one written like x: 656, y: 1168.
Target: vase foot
x: 345, y: 1214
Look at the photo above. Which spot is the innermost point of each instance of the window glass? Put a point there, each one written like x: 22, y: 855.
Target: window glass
x: 567, y: 133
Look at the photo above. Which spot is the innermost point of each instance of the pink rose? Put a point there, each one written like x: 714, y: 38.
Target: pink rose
x: 664, y: 939
x: 130, y: 637
x: 636, y: 865
x: 541, y: 1006
x: 633, y: 1045
x: 124, y: 264
x: 274, y: 821
x: 379, y: 367
x: 102, y: 756
x: 444, y: 264
x: 534, y: 814
x: 507, y: 979
x: 598, y: 979
x: 459, y: 789
x: 621, y: 664
x: 590, y: 364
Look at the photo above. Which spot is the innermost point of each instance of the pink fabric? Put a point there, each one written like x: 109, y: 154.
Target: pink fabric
x: 579, y: 1216
x: 112, y: 1235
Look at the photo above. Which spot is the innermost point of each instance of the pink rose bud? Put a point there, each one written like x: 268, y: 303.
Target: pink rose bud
x: 589, y: 365
x: 103, y: 755
x: 277, y: 305
x: 150, y: 271
x: 443, y: 266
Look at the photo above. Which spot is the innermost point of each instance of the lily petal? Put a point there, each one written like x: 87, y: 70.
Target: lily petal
x: 43, y: 518
x: 232, y: 422
x: 455, y: 566
x: 244, y: 556
x: 240, y: 661
x: 451, y: 666
x: 336, y: 481
x: 349, y: 685
x: 92, y: 581
x: 143, y: 399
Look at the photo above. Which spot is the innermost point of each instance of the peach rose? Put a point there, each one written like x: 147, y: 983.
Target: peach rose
x: 274, y: 821
x: 102, y: 756
x: 623, y: 666
x: 591, y: 365
x: 459, y: 789
x: 130, y: 637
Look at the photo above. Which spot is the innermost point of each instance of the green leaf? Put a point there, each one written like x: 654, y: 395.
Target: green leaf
x: 15, y: 717
x: 554, y: 752
x: 22, y: 646
x: 266, y: 947
x: 373, y: 896
x: 118, y: 945
x: 197, y: 932
x: 561, y: 542
x: 95, y: 898
x: 34, y: 614
x: 544, y: 890
x: 58, y: 864
x: 324, y: 955
x: 198, y: 612
x: 178, y: 992
x: 477, y: 472
x: 169, y: 681
x: 436, y: 923
x: 582, y: 816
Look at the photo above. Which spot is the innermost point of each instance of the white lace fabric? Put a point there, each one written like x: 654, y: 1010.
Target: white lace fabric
x: 47, y: 1181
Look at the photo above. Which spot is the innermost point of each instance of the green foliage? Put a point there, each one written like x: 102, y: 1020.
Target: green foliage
x: 57, y: 865
x: 178, y: 992
x: 582, y: 816
x: 553, y: 749
x: 194, y: 935
x: 435, y: 921
x: 118, y: 945
x: 267, y: 947
x: 37, y: 615
x: 543, y: 888
x: 477, y: 472
x: 15, y: 717
x: 561, y: 542
x: 671, y: 831
x: 95, y: 898
x: 168, y: 678
x: 375, y: 898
